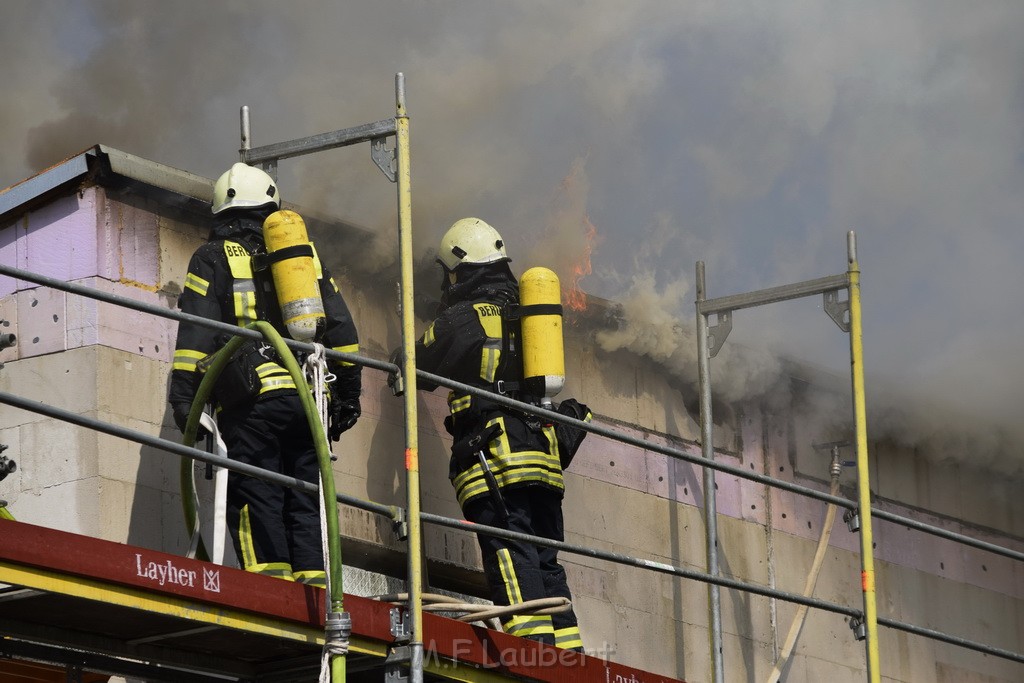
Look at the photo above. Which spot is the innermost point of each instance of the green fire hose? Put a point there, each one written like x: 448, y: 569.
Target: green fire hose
x: 336, y: 619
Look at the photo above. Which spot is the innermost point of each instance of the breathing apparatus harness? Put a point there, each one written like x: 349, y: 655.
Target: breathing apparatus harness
x: 283, y: 268
x: 530, y: 369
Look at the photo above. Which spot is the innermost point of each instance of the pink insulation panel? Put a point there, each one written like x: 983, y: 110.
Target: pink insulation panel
x: 57, y: 240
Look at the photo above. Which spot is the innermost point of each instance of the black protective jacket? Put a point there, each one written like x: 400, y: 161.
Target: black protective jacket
x: 222, y: 285
x: 474, y: 340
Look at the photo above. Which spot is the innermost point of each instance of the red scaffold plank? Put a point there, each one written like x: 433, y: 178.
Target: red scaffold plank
x: 445, y: 640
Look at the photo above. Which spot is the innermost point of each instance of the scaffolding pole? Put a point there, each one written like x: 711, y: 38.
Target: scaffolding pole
x: 867, y: 556
x: 710, y: 490
x: 412, y: 464
x: 394, y: 163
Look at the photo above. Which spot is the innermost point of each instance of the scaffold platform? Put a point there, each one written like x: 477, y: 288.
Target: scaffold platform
x: 71, y: 603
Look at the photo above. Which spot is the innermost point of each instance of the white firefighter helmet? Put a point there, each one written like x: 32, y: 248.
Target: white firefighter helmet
x: 470, y: 241
x: 244, y: 187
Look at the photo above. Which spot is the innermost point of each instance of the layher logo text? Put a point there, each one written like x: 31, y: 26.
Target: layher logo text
x: 166, y: 572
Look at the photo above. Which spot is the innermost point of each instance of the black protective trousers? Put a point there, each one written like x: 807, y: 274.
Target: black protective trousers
x: 275, y: 529
x: 517, y: 571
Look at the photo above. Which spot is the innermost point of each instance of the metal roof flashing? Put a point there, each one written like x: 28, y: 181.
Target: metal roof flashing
x: 32, y: 189
x: 121, y: 172
x: 115, y: 169
x: 158, y: 175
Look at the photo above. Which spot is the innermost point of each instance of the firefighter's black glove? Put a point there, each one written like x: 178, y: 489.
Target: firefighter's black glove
x: 180, y: 412
x: 570, y: 437
x: 395, y: 382
x: 343, y: 416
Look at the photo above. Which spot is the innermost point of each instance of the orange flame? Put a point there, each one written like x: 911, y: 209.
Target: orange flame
x: 576, y: 298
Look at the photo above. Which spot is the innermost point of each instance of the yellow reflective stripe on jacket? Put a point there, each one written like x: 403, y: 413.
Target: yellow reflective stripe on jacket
x: 186, y: 359
x: 549, y: 433
x: 244, y: 297
x: 350, y: 348
x: 319, y: 268
x: 530, y: 464
x: 490, y: 320
x: 477, y: 485
x: 197, y: 284
x: 428, y: 336
x: 490, y: 356
x: 499, y: 446
x: 243, y: 288
x: 510, y: 467
x: 533, y: 467
x: 456, y: 404
x: 273, y: 377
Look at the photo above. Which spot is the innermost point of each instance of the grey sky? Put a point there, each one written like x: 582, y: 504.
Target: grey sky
x: 749, y: 135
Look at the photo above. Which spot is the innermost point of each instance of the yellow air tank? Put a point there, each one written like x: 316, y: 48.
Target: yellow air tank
x: 541, y: 312
x: 294, y: 272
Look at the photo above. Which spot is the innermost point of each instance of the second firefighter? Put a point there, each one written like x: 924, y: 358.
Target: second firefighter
x: 505, y: 465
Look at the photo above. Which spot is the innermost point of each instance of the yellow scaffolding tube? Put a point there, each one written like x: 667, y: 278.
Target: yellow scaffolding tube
x: 863, y: 477
x: 412, y: 460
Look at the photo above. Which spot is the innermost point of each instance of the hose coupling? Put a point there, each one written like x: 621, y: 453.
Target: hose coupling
x: 338, y: 628
x: 836, y: 468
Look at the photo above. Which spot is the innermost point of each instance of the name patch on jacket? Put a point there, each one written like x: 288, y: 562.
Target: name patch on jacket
x: 234, y: 249
x: 489, y: 316
x: 488, y: 310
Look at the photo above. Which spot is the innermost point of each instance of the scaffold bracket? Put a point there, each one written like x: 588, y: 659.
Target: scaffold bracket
x: 838, y: 310
x: 857, y: 626
x: 718, y: 333
x: 270, y: 167
x: 852, y: 520
x: 400, y: 525
x: 400, y: 624
x: 396, y: 666
x: 385, y: 157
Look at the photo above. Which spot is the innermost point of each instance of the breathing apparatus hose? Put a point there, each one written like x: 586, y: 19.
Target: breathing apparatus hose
x: 220, y: 359
x: 812, y: 578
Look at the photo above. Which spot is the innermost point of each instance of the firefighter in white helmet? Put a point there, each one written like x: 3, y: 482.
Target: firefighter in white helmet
x: 276, y: 530
x: 506, y: 465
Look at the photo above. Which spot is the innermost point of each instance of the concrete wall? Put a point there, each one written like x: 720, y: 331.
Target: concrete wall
x: 112, y: 365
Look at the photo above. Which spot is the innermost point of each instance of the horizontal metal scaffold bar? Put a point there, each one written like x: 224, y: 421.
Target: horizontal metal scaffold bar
x: 773, y: 295
x: 319, y: 142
